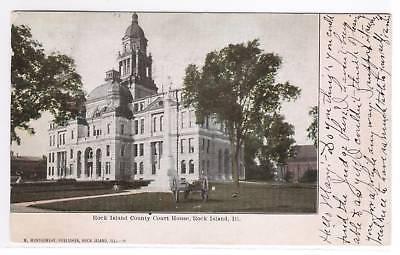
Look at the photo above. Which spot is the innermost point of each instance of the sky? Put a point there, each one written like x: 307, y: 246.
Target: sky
x: 176, y: 40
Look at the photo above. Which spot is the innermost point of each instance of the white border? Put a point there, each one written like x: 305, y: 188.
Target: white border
x: 196, y: 6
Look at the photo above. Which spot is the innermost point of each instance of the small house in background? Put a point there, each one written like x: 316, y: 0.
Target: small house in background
x: 29, y: 168
x: 303, y: 166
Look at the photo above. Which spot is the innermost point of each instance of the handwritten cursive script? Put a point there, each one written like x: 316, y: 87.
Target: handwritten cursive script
x: 355, y: 75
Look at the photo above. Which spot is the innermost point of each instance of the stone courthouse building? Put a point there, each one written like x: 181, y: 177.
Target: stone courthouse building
x: 129, y: 130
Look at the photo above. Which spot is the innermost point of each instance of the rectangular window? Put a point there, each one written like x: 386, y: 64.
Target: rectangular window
x: 161, y: 122
x: 88, y: 131
x: 122, y: 129
x: 183, y: 145
x: 108, y: 167
x: 160, y: 147
x: 50, y: 141
x: 94, y: 130
x: 49, y: 157
x: 52, y: 157
x: 136, y: 127
x: 134, y: 167
x: 154, y: 124
x: 190, y: 118
x: 49, y: 170
x: 183, y: 119
x: 71, y: 153
x: 141, y: 126
x: 72, y: 134
x: 71, y: 169
x: 135, y: 150
x: 153, y: 168
x: 122, y: 150
x: 141, y: 149
x: 107, y: 150
x: 108, y: 128
x: 191, y: 145
x: 141, y: 168
x: 52, y: 170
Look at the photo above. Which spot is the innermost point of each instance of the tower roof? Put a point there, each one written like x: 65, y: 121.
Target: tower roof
x: 134, y: 30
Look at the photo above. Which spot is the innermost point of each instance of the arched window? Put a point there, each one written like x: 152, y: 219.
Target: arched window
x: 183, y: 167
x: 191, y: 167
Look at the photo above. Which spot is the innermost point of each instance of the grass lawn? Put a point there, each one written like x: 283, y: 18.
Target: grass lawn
x: 259, y: 197
x: 18, y: 197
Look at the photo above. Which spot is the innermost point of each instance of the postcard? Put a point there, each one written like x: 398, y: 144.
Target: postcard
x: 204, y: 128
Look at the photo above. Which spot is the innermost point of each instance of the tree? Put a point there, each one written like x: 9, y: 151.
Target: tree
x: 237, y: 84
x: 40, y: 83
x: 271, y: 144
x: 312, y: 130
x: 279, y: 141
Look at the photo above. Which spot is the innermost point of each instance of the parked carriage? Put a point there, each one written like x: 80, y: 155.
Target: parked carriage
x: 183, y: 186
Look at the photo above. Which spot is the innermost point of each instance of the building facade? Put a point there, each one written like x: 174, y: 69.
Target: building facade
x: 130, y: 131
x: 303, y: 166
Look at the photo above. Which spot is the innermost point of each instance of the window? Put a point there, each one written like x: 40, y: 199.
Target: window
x: 136, y: 127
x: 134, y: 167
x: 88, y: 131
x: 49, y: 157
x: 160, y: 148
x: 183, y: 167
x: 52, y: 156
x: 191, y: 167
x: 141, y: 126
x: 135, y: 107
x: 71, y: 169
x: 94, y: 130
x: 108, y: 168
x: 183, y: 145
x: 208, y: 146
x: 128, y: 61
x: 135, y: 150
x: 141, y: 149
x: 154, y: 124
x: 191, y: 145
x: 122, y: 129
x: 183, y: 119
x: 107, y: 150
x: 190, y: 118
x: 122, y: 150
x: 72, y: 134
x: 108, y: 128
x: 141, y: 106
x: 49, y: 170
x: 71, y: 152
x: 153, y: 168
x: 203, y: 144
x: 141, y: 168
x: 161, y: 122
x: 50, y: 141
x: 52, y: 170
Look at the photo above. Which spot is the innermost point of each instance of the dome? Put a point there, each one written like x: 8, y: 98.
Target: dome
x: 134, y: 30
x: 110, y: 88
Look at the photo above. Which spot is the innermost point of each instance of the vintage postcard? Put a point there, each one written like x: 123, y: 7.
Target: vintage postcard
x: 200, y: 128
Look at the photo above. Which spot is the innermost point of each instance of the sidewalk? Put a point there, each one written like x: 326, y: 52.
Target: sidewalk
x: 27, y: 207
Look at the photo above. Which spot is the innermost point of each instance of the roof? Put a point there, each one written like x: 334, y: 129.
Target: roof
x: 26, y: 158
x: 304, y: 153
x: 112, y: 87
x: 134, y: 30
